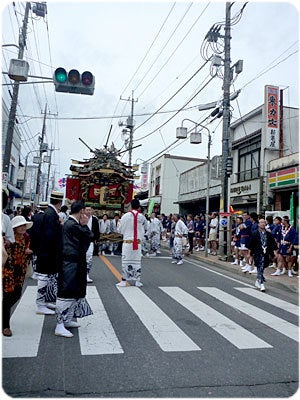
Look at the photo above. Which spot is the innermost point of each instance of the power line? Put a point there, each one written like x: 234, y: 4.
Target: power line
x: 174, y: 51
x: 147, y: 52
x: 165, y: 45
x: 177, y: 112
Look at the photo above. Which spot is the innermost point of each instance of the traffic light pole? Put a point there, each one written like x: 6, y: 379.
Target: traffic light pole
x: 224, y: 231
x: 14, y: 100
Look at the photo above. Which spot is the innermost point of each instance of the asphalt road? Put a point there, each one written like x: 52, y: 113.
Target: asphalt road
x: 193, y: 330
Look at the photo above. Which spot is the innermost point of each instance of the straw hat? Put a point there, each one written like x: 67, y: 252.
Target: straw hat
x: 19, y: 220
x: 57, y: 195
x: 43, y: 205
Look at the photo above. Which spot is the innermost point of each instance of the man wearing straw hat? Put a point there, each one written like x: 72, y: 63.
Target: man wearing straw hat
x: 49, y: 256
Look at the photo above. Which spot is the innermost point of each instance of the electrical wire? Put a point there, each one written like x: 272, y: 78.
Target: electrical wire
x: 198, y: 70
x: 164, y: 46
x: 150, y: 47
x: 174, y: 51
x: 177, y: 112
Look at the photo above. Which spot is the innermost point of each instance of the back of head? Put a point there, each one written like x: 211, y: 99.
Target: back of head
x: 135, y: 204
x: 76, y: 207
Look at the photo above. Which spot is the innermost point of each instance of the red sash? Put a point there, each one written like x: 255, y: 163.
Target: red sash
x: 135, y: 244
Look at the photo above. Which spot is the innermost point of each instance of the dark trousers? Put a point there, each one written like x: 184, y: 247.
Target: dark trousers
x: 191, y: 241
x: 9, y: 300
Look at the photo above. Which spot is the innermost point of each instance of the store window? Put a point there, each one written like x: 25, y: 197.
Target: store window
x: 249, y: 160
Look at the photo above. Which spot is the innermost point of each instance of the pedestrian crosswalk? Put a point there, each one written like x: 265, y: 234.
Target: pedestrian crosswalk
x: 97, y: 334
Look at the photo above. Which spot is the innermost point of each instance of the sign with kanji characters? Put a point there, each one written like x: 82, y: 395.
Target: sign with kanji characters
x: 272, y: 117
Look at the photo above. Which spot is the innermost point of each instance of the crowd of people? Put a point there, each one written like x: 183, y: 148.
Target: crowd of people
x: 60, y: 243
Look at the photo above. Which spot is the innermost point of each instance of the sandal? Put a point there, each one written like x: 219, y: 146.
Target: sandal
x: 7, y: 332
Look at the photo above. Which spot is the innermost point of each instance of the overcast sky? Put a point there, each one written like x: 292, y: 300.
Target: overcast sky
x: 152, y: 49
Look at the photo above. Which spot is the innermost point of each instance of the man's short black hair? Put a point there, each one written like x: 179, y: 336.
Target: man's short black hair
x: 64, y: 208
x: 76, y: 207
x: 135, y: 204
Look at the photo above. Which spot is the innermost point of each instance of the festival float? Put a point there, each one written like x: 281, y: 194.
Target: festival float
x: 102, y: 182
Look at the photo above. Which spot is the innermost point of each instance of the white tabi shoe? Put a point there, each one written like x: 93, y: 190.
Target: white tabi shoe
x: 88, y: 279
x: 138, y: 284
x: 290, y: 274
x: 242, y: 264
x: 247, y: 268
x: 180, y: 262
x: 253, y: 271
x: 60, y: 330
x: 174, y: 262
x: 276, y: 273
x: 283, y: 271
x: 257, y: 284
x: 43, y: 310
x: 235, y: 262
x: 262, y: 287
x: 121, y: 284
x: 71, y: 324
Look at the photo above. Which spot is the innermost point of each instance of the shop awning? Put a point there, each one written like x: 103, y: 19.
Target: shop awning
x: 15, y: 191
x: 145, y: 202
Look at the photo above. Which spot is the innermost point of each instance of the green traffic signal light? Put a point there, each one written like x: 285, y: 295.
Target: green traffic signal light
x: 60, y: 75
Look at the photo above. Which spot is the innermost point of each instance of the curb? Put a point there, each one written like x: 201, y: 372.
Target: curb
x: 291, y: 285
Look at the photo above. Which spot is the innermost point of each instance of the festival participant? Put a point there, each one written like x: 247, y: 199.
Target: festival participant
x: 191, y: 232
x: 237, y: 239
x: 154, y: 232
x: 71, y: 302
x: 132, y: 227
x: 93, y: 225
x: 180, y: 231
x: 285, y: 253
x: 104, y: 228
x: 14, y: 270
x: 261, y: 247
x: 49, y: 256
x: 213, y: 234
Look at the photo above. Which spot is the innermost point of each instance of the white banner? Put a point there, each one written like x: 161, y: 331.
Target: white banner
x: 272, y: 117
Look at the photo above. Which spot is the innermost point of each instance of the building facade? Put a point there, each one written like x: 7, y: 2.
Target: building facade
x: 10, y: 181
x: 163, y: 185
x: 253, y: 158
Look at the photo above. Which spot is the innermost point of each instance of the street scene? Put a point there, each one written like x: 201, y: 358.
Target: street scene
x: 150, y: 199
x: 193, y: 330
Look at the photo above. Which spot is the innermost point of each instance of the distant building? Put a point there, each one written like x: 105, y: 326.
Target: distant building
x: 163, y: 185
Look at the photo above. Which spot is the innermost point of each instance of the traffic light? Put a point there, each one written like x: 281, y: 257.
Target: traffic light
x: 73, y: 82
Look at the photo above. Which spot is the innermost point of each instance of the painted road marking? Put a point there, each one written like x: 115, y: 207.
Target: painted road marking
x: 231, y: 331
x: 284, y: 305
x: 26, y: 327
x: 280, y: 325
x: 164, y: 331
x: 96, y: 334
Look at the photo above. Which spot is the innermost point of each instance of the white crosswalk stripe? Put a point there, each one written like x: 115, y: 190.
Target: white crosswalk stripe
x: 280, y: 325
x: 166, y: 333
x: 284, y: 305
x: 26, y: 327
x: 97, y: 336
x: 234, y: 333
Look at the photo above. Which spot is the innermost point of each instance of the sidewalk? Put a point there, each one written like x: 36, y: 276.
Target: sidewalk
x: 282, y: 281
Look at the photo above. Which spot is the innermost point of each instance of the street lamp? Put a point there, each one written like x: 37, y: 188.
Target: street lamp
x: 181, y: 133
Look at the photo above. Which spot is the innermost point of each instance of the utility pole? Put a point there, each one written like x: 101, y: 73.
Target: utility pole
x: 130, y: 126
x: 14, y: 100
x: 48, y: 174
x: 226, y: 131
x: 42, y: 150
